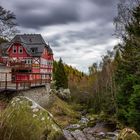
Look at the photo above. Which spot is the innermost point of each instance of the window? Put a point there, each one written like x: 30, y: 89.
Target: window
x: 34, y: 50
x: 14, y: 49
x: 28, y: 61
x: 20, y: 50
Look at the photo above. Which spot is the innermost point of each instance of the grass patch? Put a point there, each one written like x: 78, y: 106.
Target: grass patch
x: 63, y: 112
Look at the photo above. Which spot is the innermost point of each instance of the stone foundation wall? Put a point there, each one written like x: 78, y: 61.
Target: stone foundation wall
x: 34, y: 93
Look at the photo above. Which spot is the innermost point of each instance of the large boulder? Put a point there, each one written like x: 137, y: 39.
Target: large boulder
x: 64, y: 94
x: 24, y: 119
x: 128, y: 134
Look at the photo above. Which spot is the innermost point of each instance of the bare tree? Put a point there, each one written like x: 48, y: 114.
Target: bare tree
x: 7, y: 23
x: 124, y: 17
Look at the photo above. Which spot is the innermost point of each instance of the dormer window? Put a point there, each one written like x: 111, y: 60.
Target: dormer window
x: 14, y: 49
x: 34, y: 50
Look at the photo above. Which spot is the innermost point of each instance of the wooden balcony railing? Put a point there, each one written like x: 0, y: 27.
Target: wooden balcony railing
x: 20, y: 65
x: 1, y: 60
x: 22, y: 81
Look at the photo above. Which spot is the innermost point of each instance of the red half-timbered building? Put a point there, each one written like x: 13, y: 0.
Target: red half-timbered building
x: 28, y: 56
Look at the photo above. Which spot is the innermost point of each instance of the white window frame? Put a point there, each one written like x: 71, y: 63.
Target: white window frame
x: 14, y: 49
x: 20, y: 48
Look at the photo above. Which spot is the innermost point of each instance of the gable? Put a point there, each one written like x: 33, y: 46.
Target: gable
x: 17, y: 50
x: 34, y: 43
x: 47, y: 55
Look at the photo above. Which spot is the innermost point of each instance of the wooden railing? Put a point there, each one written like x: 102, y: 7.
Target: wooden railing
x: 22, y: 81
x: 20, y: 65
x: 1, y: 60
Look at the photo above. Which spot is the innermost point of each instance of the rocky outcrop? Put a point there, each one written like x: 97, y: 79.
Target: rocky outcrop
x: 34, y: 94
x: 64, y: 94
x: 24, y: 119
x: 128, y: 134
x: 63, y: 112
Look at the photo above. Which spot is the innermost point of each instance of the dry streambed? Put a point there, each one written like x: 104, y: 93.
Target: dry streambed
x: 81, y: 131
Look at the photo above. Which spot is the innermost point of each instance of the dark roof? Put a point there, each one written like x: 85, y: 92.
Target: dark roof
x: 30, y: 41
x: 4, y: 45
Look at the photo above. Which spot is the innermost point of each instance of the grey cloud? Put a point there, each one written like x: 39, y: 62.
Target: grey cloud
x: 35, y: 14
x: 36, y: 21
x: 104, y: 2
x: 40, y: 15
x: 55, y: 40
x: 97, y: 35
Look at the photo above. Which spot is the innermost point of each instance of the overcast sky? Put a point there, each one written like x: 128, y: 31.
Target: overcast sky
x: 79, y: 31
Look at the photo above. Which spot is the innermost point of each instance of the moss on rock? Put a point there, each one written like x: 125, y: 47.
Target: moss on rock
x: 63, y: 112
x: 25, y: 120
x: 128, y: 134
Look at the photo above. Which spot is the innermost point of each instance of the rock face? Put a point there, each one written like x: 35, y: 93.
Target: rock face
x: 26, y: 120
x: 34, y: 94
x: 128, y: 134
x: 49, y: 98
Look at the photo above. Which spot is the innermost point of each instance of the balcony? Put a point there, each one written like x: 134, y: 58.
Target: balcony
x: 1, y: 60
x: 20, y: 65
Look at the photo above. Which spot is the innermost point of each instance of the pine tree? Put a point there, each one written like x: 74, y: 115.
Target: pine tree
x: 60, y: 76
x: 128, y: 73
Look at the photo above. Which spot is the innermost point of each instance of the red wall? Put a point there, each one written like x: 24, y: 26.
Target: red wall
x: 1, y: 59
x: 17, y: 54
x: 24, y: 54
x: 46, y: 55
x: 22, y: 77
x: 35, y: 76
x: 49, y: 57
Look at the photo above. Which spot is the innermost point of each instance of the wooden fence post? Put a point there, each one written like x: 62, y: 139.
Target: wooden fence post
x: 29, y: 83
x: 41, y: 79
x: 5, y: 81
x: 16, y: 82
